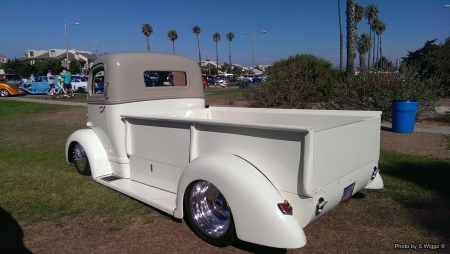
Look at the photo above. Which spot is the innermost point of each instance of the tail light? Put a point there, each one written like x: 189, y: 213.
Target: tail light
x: 286, y: 208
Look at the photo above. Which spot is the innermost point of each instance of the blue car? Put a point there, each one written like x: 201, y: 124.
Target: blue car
x: 35, y: 87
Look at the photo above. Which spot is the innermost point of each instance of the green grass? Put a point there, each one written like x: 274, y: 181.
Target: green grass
x: 79, y: 97
x: 36, y: 183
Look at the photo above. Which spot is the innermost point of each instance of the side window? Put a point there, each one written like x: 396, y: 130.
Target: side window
x: 164, y: 78
x: 98, y: 81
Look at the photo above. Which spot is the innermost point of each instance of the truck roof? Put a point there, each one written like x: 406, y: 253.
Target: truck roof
x: 124, y: 75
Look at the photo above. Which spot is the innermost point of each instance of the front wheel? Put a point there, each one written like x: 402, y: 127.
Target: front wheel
x: 4, y: 93
x: 208, y: 213
x: 81, y: 160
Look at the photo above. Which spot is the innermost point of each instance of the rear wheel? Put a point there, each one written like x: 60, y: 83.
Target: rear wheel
x: 209, y: 214
x: 46, y: 94
x: 81, y: 160
x: 4, y: 93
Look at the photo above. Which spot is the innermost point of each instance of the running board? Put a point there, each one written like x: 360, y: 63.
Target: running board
x: 162, y: 200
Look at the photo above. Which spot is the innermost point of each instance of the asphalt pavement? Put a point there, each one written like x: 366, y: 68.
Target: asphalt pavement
x: 384, y: 126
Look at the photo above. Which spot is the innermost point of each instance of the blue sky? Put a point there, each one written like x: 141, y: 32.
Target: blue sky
x: 293, y: 26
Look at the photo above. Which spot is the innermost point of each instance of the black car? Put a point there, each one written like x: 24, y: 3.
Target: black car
x: 12, y: 79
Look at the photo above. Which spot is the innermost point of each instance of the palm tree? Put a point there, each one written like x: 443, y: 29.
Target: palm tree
x: 173, y: 36
x: 350, y: 37
x: 381, y: 29
x: 364, y: 44
x: 216, y: 38
x: 371, y: 16
x: 147, y: 30
x: 341, y: 39
x: 359, y: 15
x: 230, y: 37
x: 376, y: 29
x: 196, y: 30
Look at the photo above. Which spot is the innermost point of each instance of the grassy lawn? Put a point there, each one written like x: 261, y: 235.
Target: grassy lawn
x: 36, y: 184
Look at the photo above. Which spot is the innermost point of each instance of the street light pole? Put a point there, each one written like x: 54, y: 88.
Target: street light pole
x: 209, y: 63
x: 254, y: 46
x: 67, y: 42
x: 96, y: 46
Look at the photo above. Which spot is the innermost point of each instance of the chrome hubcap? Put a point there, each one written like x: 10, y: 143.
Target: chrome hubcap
x: 210, y: 209
x: 79, y: 155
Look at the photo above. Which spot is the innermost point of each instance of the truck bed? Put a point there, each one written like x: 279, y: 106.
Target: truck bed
x: 300, y: 151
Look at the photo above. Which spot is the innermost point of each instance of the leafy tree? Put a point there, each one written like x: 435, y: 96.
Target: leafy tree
x: 216, y: 38
x: 296, y: 82
x: 74, y: 66
x: 350, y: 37
x: 173, y: 36
x: 230, y: 37
x: 384, y: 64
x: 433, y: 60
x: 196, y: 30
x: 147, y: 30
x: 364, y: 44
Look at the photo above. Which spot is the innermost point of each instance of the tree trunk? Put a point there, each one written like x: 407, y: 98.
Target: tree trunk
x: 217, y: 60
x: 199, y: 55
x: 368, y: 59
x: 381, y: 55
x: 350, y: 37
x: 341, y: 39
x: 229, y: 50
x: 362, y: 62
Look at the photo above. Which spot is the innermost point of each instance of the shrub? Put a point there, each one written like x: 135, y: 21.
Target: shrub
x: 296, y: 82
x: 376, y: 91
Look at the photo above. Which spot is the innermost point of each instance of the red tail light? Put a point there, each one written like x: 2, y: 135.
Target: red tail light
x: 286, y: 208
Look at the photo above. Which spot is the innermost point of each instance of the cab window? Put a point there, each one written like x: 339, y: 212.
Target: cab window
x: 164, y: 78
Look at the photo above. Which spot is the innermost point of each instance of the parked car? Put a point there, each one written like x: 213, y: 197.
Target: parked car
x: 10, y: 89
x: 35, y: 87
x: 205, y: 83
x: 12, y: 79
x: 250, y: 83
x: 79, y: 84
x: 220, y: 81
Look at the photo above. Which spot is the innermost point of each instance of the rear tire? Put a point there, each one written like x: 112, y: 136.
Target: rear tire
x: 81, y: 160
x: 208, y: 214
x: 46, y: 94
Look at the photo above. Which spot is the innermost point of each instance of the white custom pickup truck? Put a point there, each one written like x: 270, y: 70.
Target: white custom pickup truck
x: 260, y: 175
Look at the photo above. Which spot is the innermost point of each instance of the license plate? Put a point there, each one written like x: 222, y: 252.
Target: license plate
x: 348, y: 193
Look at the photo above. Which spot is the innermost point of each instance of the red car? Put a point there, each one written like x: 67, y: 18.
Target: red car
x: 205, y: 83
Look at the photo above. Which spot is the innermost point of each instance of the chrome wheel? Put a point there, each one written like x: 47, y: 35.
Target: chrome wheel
x: 210, y: 210
x: 4, y: 93
x: 81, y: 160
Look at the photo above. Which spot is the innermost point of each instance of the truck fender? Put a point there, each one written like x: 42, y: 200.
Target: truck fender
x: 98, y: 159
x: 251, y: 196
x: 376, y: 183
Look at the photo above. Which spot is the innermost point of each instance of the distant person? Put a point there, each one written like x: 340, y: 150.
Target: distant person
x: 32, y: 77
x: 67, y: 81
x: 51, y: 79
x: 60, y: 84
x: 100, y: 86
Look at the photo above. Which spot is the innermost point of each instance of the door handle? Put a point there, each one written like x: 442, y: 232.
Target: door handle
x: 102, y: 108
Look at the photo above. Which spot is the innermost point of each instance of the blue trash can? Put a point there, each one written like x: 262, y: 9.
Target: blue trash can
x: 404, y: 116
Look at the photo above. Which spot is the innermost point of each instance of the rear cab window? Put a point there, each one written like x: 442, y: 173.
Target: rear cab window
x: 164, y: 78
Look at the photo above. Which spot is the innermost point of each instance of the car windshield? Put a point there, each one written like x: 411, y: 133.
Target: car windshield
x: 12, y: 77
x: 79, y: 79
